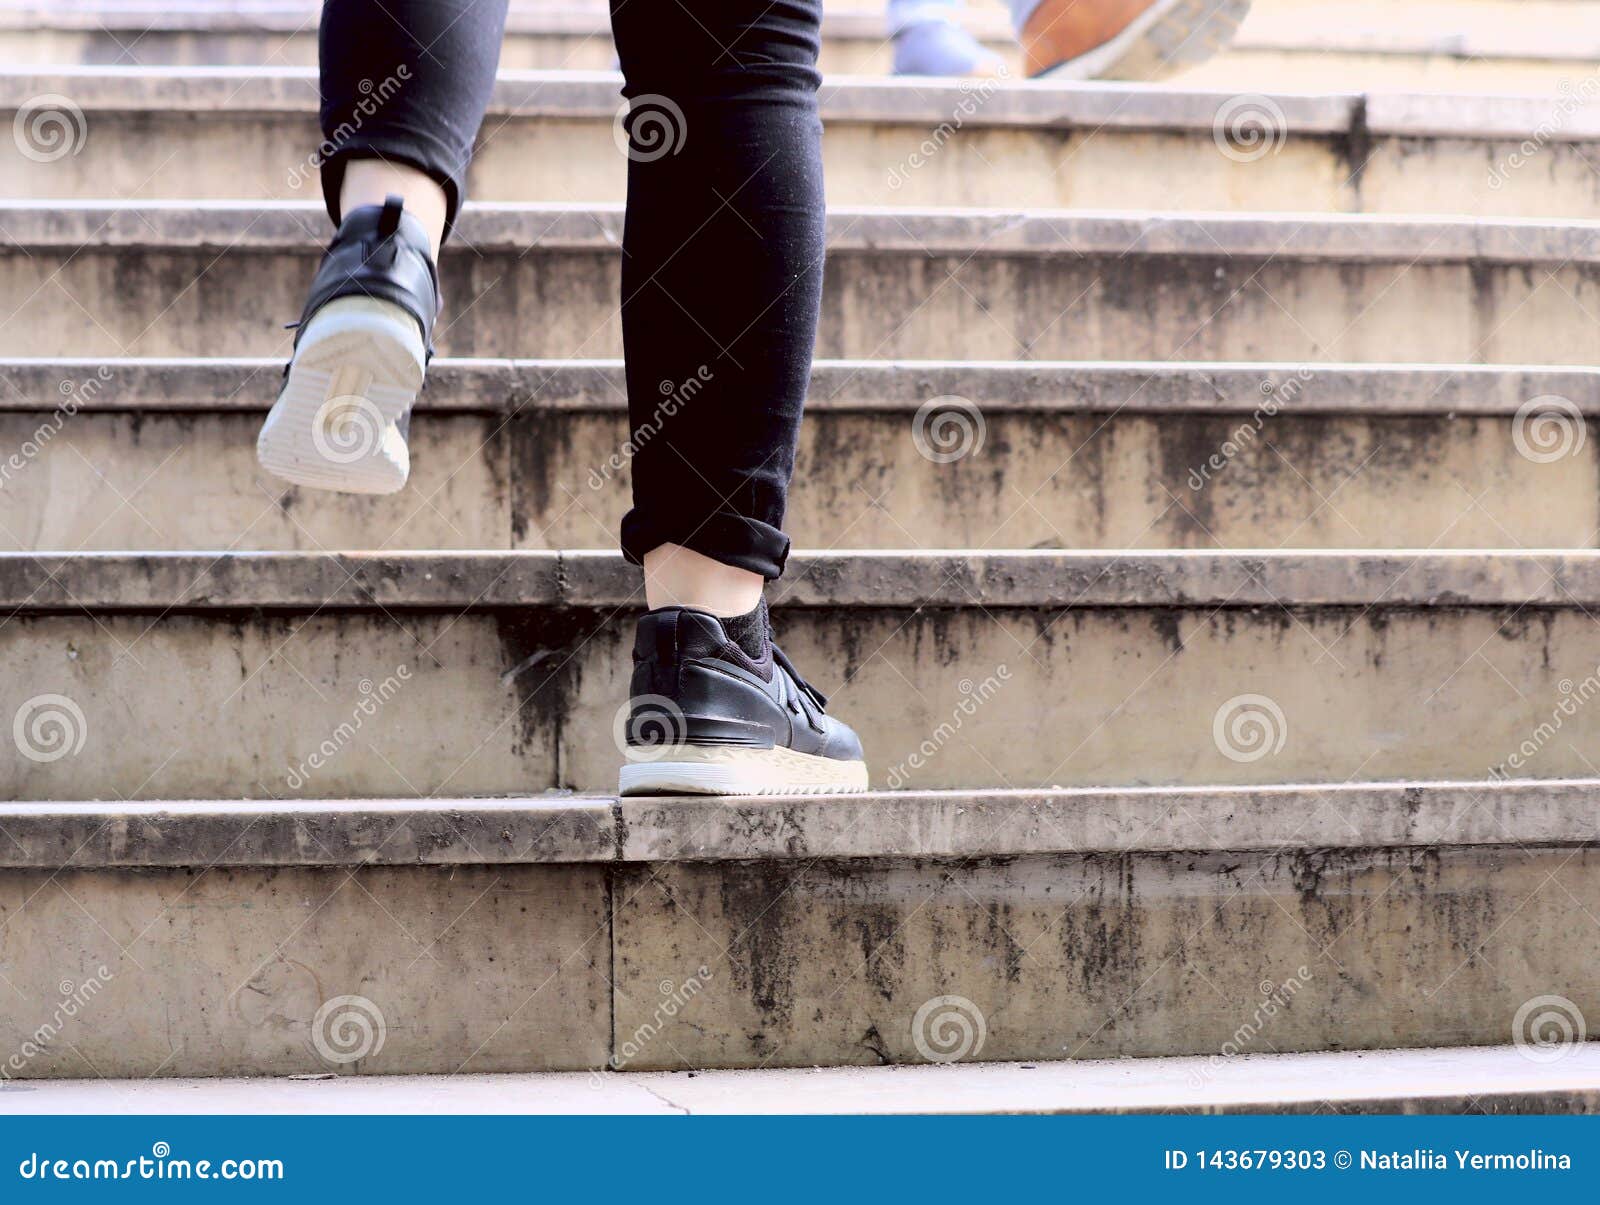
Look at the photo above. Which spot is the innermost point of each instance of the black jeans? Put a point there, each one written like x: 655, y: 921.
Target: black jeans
x: 723, y: 244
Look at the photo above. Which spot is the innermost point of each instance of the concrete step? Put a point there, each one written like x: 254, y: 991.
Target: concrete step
x: 1496, y: 1080
x: 249, y: 133
x: 130, y: 454
x: 1494, y: 45
x: 221, y: 278
x: 1543, y: 46
x: 539, y: 36
x: 218, y: 674
x: 569, y: 933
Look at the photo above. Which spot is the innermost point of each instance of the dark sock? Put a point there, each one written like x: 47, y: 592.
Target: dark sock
x: 749, y: 631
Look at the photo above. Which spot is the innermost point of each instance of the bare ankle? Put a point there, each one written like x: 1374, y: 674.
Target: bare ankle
x: 675, y: 576
x: 371, y: 181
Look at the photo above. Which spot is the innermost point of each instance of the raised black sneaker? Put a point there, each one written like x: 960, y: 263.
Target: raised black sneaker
x: 360, y: 353
x: 709, y: 717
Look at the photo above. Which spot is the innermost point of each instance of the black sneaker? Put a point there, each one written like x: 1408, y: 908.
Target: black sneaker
x: 705, y: 718
x: 360, y: 354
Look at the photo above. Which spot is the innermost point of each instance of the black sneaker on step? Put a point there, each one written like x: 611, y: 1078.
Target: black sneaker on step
x: 708, y: 718
x: 360, y: 352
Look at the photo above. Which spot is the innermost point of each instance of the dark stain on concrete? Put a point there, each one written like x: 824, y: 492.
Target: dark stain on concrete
x: 756, y: 901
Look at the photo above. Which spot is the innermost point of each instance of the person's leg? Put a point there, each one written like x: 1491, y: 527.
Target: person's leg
x: 404, y: 83
x: 721, y: 287
x: 929, y: 40
x: 1121, y: 39
x: 721, y: 269
x: 404, y: 87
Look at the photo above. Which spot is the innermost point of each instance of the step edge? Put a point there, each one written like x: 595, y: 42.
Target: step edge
x: 1444, y: 1079
x: 56, y: 582
x: 1290, y: 818
x: 498, y: 386
x: 101, y: 227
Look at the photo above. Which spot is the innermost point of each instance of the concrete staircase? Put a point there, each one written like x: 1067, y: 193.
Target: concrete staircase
x: 1449, y: 45
x: 1198, y: 519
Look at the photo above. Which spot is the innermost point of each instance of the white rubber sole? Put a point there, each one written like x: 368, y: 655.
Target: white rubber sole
x: 1163, y: 40
x: 702, y: 770
x: 354, y: 377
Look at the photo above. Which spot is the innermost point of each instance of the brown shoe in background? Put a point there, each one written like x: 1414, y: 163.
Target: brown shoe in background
x: 1126, y: 39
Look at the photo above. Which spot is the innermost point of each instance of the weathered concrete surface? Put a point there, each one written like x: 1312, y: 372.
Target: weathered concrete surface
x: 964, y: 671
x: 314, y: 583
x: 216, y: 384
x: 160, y: 455
x: 245, y: 972
x: 1094, y: 957
x: 1043, y: 480
x: 297, y: 226
x: 804, y: 959
x: 991, y: 285
x: 161, y: 481
x: 560, y: 827
x: 285, y: 832
x: 1005, y: 823
x: 890, y: 142
x: 1442, y: 72
x: 1493, y: 1080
